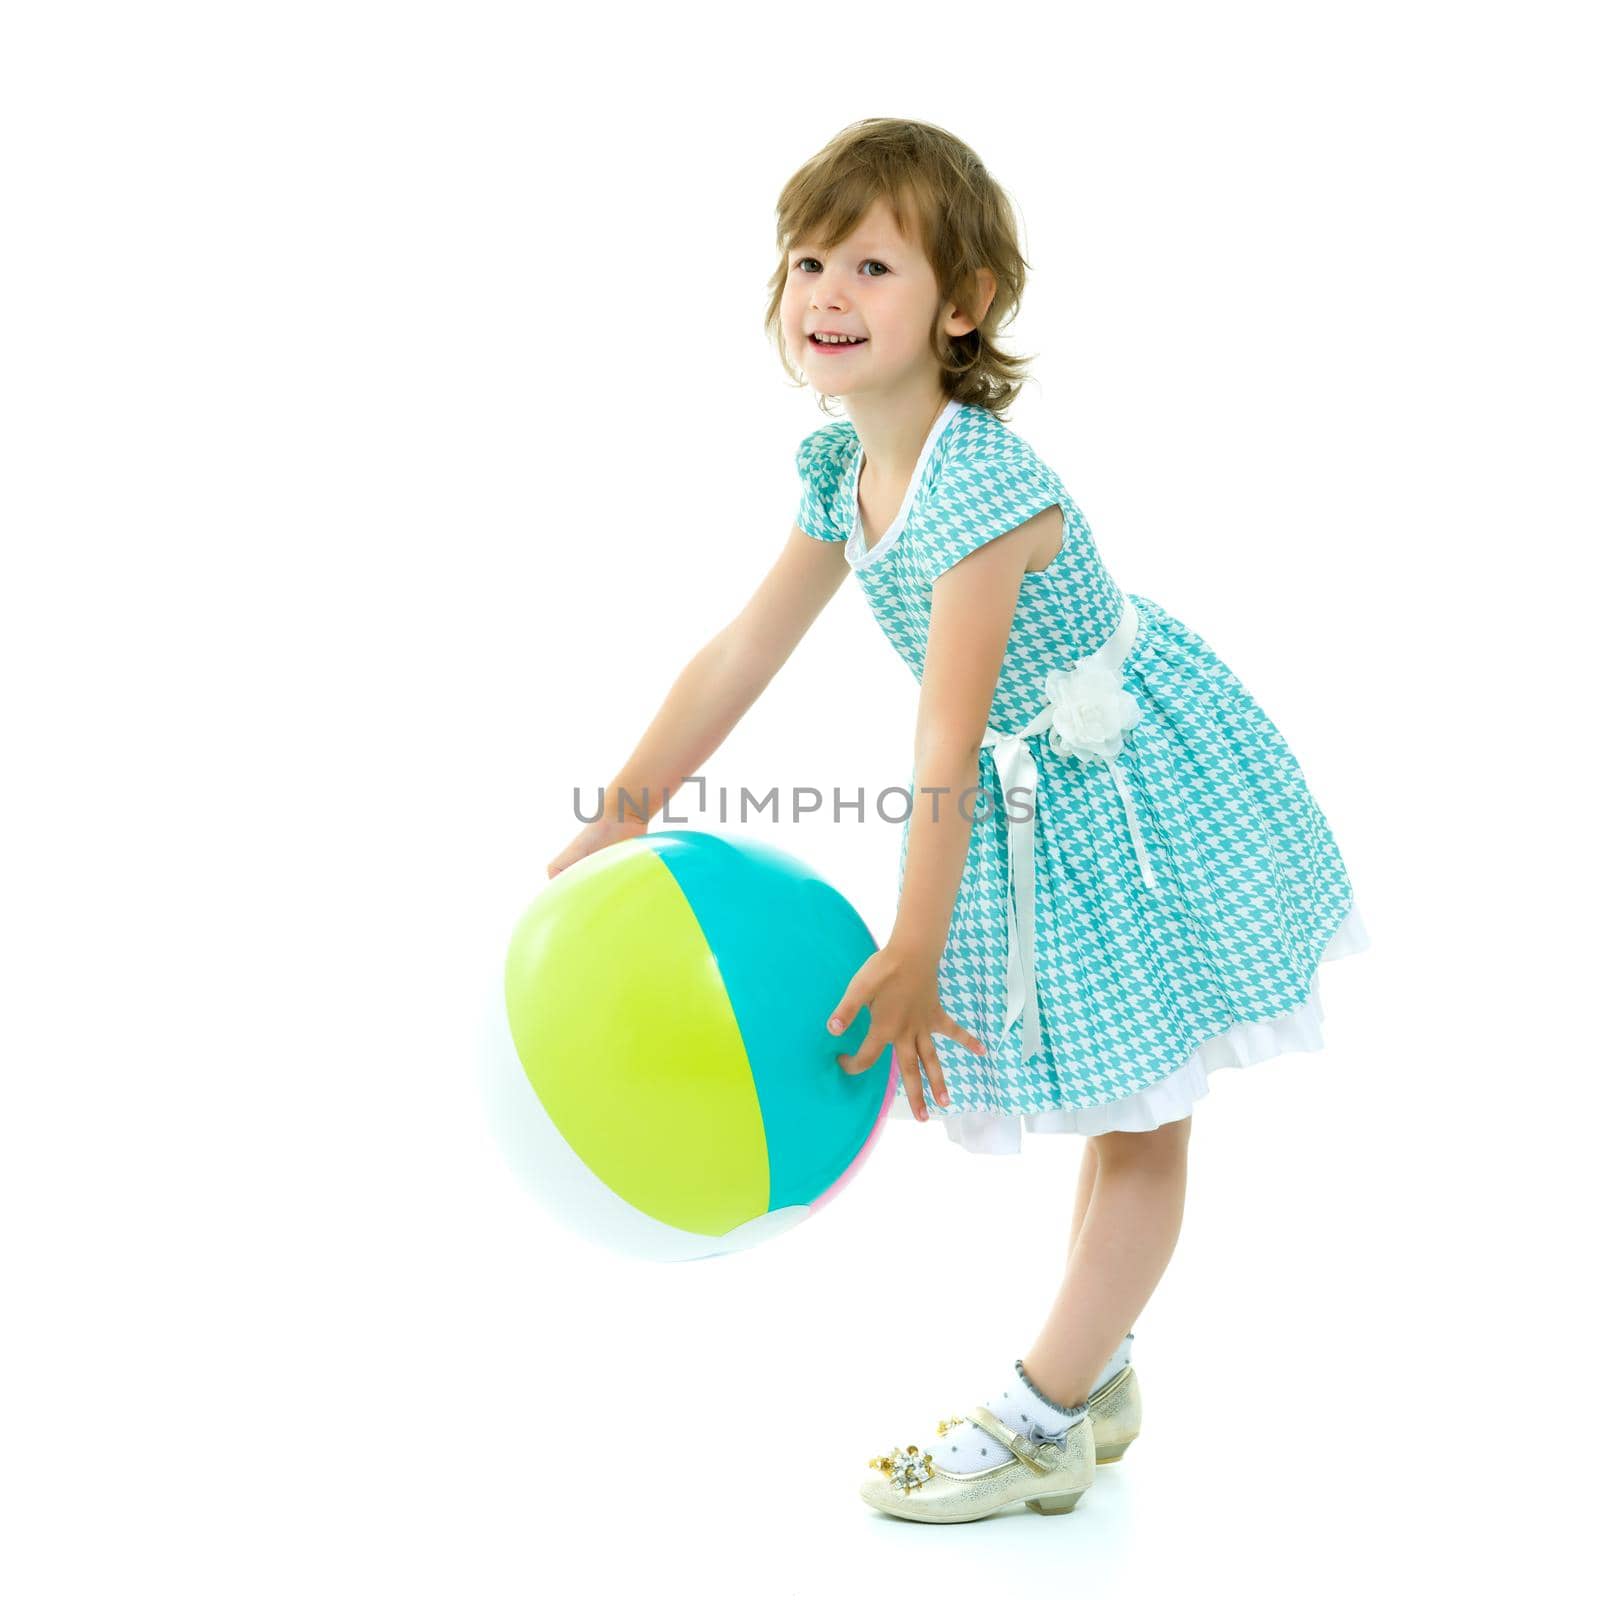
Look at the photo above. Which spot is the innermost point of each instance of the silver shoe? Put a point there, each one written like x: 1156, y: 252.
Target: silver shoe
x: 1117, y: 1412
x: 1047, y: 1472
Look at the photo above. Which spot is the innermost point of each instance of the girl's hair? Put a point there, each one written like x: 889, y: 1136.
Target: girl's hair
x: 941, y: 197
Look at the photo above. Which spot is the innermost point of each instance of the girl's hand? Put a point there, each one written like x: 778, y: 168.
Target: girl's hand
x: 901, y: 992
x: 596, y: 836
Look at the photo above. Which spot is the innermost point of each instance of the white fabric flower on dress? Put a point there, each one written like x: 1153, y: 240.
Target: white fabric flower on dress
x: 1090, y: 711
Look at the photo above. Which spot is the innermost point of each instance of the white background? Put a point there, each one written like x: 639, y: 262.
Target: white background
x: 387, y: 418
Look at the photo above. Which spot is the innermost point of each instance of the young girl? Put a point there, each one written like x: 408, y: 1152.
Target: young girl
x: 1113, y: 874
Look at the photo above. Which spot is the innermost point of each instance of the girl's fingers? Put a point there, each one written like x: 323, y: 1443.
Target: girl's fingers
x: 843, y: 1015
x: 930, y: 1060
x: 911, y: 1076
x: 914, y: 1055
x: 850, y: 1003
x: 952, y: 1029
x: 871, y: 1049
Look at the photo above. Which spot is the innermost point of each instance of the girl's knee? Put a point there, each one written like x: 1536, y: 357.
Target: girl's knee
x: 1169, y: 1142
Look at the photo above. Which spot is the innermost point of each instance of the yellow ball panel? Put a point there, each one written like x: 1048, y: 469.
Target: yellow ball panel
x: 623, y: 1026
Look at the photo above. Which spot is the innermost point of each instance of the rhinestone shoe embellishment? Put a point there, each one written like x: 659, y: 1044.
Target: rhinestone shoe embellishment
x: 906, y: 1469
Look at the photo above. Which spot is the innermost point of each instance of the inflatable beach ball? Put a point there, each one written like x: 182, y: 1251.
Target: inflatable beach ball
x: 659, y: 1067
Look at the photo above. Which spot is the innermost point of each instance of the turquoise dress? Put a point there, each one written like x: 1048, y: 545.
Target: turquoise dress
x: 1150, y: 886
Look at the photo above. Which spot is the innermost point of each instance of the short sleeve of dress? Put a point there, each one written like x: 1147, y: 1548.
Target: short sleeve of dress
x: 821, y: 461
x: 980, y: 497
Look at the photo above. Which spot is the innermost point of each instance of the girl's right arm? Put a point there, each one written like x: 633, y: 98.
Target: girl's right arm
x: 722, y: 681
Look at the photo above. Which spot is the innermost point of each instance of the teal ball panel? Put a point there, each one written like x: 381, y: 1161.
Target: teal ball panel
x: 787, y: 944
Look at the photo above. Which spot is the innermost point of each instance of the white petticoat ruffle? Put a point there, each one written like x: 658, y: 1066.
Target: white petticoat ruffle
x: 997, y: 1133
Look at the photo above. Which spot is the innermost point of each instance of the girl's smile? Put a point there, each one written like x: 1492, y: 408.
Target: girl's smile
x: 835, y: 345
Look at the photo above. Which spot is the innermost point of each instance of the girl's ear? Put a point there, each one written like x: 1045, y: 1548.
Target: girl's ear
x: 986, y: 291
x: 956, y: 321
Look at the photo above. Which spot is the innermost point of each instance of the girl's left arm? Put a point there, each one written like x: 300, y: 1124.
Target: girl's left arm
x: 974, y: 602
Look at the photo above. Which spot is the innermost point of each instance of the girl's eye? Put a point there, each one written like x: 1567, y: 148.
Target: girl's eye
x: 805, y: 263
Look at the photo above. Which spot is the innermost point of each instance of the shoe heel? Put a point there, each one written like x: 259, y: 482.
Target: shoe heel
x: 1118, y: 1409
x: 1052, y: 1505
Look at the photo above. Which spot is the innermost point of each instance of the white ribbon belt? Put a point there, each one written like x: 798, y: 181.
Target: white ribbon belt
x: 1088, y: 712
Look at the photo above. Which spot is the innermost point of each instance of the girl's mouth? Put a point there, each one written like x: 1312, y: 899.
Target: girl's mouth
x: 832, y: 349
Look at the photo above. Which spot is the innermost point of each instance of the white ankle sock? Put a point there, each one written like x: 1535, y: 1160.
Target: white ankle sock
x: 966, y: 1448
x: 1119, y: 1359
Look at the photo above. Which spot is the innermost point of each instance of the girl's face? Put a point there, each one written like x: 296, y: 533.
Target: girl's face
x: 875, y: 285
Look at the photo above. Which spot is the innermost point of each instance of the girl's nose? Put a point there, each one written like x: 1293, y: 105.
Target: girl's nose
x: 828, y: 295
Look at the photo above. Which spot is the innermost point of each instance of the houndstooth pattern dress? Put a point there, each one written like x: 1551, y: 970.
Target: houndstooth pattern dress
x: 1153, y: 962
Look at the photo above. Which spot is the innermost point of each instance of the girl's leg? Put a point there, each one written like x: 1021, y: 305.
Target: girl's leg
x: 1087, y: 1169
x: 1120, y: 1248
x: 1086, y: 1176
